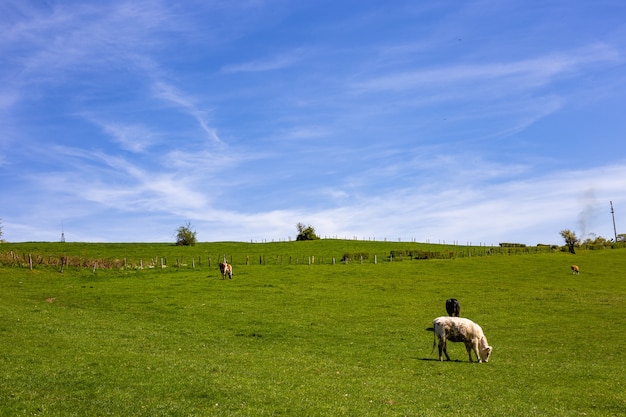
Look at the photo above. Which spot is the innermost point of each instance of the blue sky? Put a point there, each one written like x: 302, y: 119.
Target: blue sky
x: 475, y: 121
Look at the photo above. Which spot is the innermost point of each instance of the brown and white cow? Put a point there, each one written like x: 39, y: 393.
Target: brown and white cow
x: 226, y: 268
x: 575, y: 269
x: 458, y: 329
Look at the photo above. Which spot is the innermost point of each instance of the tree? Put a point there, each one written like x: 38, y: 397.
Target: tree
x: 570, y: 240
x: 306, y: 232
x: 186, y: 236
x: 0, y: 230
x: 595, y: 240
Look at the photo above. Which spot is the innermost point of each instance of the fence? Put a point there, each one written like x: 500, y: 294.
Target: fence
x: 61, y: 262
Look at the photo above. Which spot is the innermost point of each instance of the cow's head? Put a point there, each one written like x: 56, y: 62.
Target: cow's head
x: 485, y: 353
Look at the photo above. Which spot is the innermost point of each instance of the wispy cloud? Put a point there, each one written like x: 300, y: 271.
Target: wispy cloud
x: 268, y: 64
x: 481, y: 211
x: 135, y: 138
x: 83, y: 36
x: 533, y: 72
x: 119, y: 183
x: 171, y: 94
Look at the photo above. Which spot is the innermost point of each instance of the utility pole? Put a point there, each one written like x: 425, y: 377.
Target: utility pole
x: 613, y: 215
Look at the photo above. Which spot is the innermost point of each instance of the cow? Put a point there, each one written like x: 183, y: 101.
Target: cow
x: 458, y: 329
x: 575, y: 269
x: 453, y: 307
x: 226, y: 268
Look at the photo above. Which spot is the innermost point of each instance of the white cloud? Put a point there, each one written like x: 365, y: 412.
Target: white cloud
x: 270, y: 64
x: 173, y: 95
x: 134, y: 138
x: 538, y: 206
x: 521, y: 74
x: 76, y: 37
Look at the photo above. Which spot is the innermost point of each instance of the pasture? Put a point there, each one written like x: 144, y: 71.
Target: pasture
x: 295, y: 339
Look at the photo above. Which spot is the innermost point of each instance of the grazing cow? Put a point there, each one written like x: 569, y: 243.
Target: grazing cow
x: 458, y: 329
x: 226, y: 268
x: 575, y: 269
x: 453, y: 307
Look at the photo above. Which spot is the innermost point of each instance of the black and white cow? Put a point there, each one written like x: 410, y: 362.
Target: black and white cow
x: 453, y: 307
x: 458, y: 329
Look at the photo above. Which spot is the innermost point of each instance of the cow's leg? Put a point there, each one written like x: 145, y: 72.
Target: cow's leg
x: 474, y: 346
x: 442, y: 347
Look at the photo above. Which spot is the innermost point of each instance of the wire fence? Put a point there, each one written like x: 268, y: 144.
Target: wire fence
x: 63, y: 262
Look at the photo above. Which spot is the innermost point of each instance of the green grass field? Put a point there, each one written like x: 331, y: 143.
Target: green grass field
x: 295, y: 339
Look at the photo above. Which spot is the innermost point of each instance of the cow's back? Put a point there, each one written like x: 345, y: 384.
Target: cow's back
x: 456, y: 329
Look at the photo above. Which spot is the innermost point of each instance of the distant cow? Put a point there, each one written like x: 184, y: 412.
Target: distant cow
x: 226, y: 268
x: 453, y: 307
x: 575, y: 269
x: 457, y: 329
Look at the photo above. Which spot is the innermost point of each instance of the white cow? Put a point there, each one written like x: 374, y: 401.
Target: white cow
x: 458, y: 329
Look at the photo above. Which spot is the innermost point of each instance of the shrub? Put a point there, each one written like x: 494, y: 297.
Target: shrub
x: 306, y: 232
x: 185, y: 236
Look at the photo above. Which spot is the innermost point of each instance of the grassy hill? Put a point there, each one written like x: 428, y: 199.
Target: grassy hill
x: 313, y: 339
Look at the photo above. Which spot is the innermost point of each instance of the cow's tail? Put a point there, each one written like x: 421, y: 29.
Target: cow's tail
x: 434, y: 342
